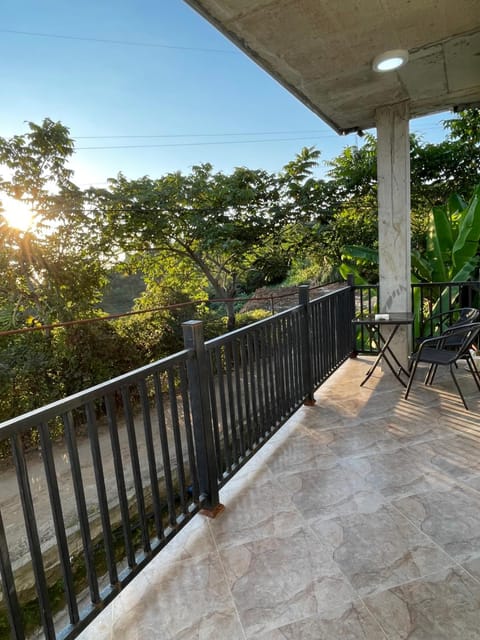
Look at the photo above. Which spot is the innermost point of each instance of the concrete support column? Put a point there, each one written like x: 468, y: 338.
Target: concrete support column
x: 393, y: 170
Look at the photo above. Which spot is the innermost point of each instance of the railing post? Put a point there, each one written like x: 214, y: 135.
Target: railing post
x: 303, y: 299
x: 197, y: 371
x: 351, y: 284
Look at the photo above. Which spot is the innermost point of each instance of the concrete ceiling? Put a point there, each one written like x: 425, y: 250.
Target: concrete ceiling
x: 322, y: 51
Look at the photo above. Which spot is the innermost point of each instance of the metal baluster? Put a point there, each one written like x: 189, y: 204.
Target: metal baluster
x: 33, y: 537
x: 58, y: 521
x: 14, y: 612
x: 254, y: 366
x: 189, y: 434
x: 223, y: 409
x: 120, y: 479
x: 231, y: 402
x: 182, y: 485
x: 82, y: 510
x: 167, y: 467
x: 102, y: 493
x: 238, y: 398
x: 152, y: 465
x: 136, y: 470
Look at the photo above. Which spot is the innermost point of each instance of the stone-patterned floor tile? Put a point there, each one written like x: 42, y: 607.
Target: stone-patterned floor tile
x: 473, y: 483
x: 451, y: 518
x: 254, y: 474
x: 330, y: 492
x: 100, y: 628
x: 380, y: 549
x: 369, y: 437
x: 279, y: 580
x: 182, y: 600
x: 398, y: 473
x: 326, y: 414
x: 443, y: 606
x: 350, y: 622
x: 459, y: 456
x: 381, y: 435
x: 364, y: 403
x: 473, y: 567
x: 194, y: 540
x: 253, y: 513
x: 301, y: 451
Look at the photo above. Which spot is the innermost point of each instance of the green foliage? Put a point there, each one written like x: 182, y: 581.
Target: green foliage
x: 36, y: 159
x: 454, y: 236
x: 217, y: 326
x: 53, y: 272
x: 89, y: 354
x: 28, y: 375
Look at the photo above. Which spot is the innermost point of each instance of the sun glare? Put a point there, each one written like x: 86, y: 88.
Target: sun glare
x: 17, y: 214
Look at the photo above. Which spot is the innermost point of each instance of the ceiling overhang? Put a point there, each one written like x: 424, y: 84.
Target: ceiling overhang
x: 322, y: 52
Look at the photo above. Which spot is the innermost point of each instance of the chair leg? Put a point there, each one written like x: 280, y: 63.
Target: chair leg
x: 410, y: 379
x: 474, y: 371
x: 458, y: 388
x: 432, y: 370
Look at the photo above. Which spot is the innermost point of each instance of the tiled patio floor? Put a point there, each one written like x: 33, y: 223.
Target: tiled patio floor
x: 359, y: 519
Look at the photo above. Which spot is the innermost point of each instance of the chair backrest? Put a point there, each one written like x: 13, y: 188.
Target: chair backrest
x: 461, y: 337
x: 466, y: 315
x: 438, y: 323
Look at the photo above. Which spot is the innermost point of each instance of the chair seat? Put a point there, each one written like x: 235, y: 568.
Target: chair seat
x: 437, y: 356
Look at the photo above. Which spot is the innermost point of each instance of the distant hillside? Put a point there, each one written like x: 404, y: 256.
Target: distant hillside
x: 121, y: 291
x: 282, y: 298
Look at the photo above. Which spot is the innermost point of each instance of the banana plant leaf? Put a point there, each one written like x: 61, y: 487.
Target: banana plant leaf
x: 455, y: 205
x: 467, y: 242
x: 450, y: 294
x: 360, y: 253
x: 421, y: 266
x: 348, y: 269
x: 439, y: 243
x: 416, y: 307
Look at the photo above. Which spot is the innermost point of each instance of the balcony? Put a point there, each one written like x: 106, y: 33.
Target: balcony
x: 356, y: 516
x: 359, y: 519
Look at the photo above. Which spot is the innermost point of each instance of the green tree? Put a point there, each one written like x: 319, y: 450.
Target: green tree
x: 53, y: 271
x: 221, y: 225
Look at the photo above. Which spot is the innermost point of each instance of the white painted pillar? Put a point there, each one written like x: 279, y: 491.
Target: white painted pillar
x: 393, y: 171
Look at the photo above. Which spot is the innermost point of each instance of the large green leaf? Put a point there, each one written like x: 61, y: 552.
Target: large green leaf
x: 416, y: 306
x: 439, y: 243
x: 449, y: 294
x: 361, y: 253
x: 467, y: 243
x: 348, y: 269
x: 421, y: 266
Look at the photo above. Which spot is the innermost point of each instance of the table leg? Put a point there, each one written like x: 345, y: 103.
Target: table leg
x: 384, y: 350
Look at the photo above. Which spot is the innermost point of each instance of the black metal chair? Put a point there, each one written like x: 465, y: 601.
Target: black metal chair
x: 440, y: 322
x: 453, y: 345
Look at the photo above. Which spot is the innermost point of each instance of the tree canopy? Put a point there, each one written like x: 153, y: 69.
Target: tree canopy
x: 222, y: 225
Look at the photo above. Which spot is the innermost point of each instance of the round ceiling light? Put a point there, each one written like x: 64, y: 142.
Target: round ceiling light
x: 390, y: 60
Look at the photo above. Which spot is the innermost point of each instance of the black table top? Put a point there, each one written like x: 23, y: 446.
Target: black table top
x: 394, y: 317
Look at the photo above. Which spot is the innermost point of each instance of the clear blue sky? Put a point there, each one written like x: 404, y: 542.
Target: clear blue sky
x: 190, y: 88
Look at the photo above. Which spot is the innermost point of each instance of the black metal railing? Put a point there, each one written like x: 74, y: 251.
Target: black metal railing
x: 93, y: 486
x: 428, y: 300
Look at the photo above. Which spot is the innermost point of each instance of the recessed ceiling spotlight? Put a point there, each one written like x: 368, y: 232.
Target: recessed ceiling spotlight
x: 390, y: 60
